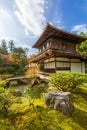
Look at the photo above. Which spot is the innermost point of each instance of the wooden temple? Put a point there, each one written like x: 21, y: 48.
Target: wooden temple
x: 57, y: 51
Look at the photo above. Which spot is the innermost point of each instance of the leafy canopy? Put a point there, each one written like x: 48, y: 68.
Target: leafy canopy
x: 67, y: 81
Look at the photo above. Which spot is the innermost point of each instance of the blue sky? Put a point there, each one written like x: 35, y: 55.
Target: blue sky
x: 24, y: 20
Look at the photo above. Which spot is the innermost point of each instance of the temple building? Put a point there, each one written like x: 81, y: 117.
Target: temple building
x: 57, y: 51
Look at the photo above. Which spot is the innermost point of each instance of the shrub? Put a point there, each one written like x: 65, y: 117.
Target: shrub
x: 66, y: 81
x: 2, y: 84
x: 37, y: 90
x: 7, y: 69
x: 7, y: 98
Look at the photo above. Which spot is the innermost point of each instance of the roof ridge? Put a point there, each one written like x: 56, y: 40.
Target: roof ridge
x: 56, y: 30
x: 50, y: 25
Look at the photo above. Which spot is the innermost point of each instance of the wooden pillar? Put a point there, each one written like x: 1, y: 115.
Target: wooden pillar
x: 55, y: 65
x: 70, y: 65
x: 81, y: 67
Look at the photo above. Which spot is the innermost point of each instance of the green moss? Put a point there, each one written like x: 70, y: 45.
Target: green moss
x: 32, y: 114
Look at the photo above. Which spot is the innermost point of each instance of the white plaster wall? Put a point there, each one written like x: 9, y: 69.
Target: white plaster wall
x: 48, y: 60
x: 75, y: 60
x: 75, y: 67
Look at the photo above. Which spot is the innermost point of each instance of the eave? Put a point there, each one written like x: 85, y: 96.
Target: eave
x: 51, y: 31
x: 54, y: 53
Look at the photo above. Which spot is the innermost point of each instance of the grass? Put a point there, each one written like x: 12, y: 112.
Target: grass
x: 23, y: 116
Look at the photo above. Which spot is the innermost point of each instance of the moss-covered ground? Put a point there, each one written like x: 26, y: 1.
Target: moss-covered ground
x: 33, y: 114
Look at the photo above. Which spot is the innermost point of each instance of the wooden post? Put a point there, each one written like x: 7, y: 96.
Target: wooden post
x: 81, y: 67
x: 55, y: 64
x: 70, y: 65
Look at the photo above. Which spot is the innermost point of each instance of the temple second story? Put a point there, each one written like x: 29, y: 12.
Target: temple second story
x: 59, y: 40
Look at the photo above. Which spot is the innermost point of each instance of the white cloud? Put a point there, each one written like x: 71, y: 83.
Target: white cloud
x: 5, y: 18
x: 8, y: 24
x: 24, y: 45
x: 31, y: 15
x: 4, y: 12
x: 80, y: 28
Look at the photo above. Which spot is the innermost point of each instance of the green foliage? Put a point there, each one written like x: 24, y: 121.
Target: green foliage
x: 24, y: 113
x: 3, y: 47
x: 1, y: 60
x: 7, y: 69
x: 4, y: 101
x: 12, y: 59
x: 67, y: 81
x: 2, y: 84
x: 82, y: 49
x: 19, y: 56
x: 37, y: 90
x: 7, y: 98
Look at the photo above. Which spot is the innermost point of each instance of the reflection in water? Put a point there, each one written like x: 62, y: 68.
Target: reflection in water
x: 22, y: 88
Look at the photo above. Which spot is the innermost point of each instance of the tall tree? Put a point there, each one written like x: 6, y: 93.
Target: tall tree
x: 3, y: 48
x: 1, y: 60
x: 82, y: 48
x: 20, y: 59
x: 26, y: 51
x: 11, y: 45
x: 82, y: 34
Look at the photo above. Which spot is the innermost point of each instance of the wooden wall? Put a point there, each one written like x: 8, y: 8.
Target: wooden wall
x: 59, y: 44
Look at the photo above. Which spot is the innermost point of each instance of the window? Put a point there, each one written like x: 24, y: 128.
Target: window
x: 63, y: 65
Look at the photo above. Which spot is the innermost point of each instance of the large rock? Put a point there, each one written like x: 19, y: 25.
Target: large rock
x: 61, y: 101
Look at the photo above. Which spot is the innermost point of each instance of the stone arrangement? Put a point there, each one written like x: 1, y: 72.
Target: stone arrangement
x: 61, y: 101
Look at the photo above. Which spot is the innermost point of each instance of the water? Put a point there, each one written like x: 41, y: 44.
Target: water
x: 22, y: 88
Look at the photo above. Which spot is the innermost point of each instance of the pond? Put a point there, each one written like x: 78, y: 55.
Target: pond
x: 22, y: 88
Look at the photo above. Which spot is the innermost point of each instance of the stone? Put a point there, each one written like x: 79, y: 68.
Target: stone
x: 61, y: 101
x: 18, y: 93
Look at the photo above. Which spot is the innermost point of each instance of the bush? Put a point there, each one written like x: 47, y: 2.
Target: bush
x: 2, y: 84
x: 67, y: 81
x: 37, y: 90
x: 7, y: 69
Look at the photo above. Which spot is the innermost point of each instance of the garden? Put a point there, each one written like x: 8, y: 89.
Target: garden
x: 25, y: 109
